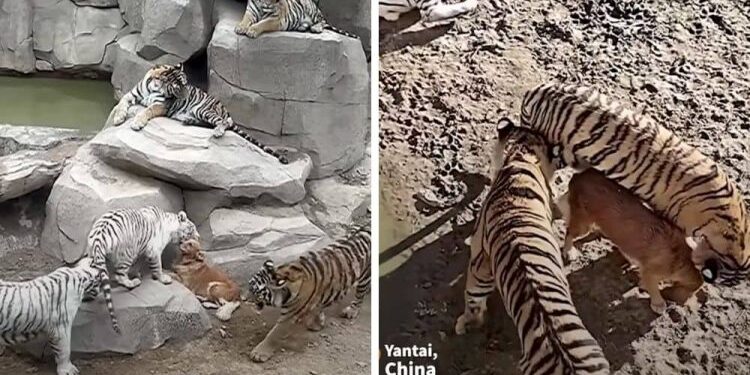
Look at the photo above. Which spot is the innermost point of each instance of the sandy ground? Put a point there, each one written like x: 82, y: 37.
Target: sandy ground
x: 343, y: 347
x: 686, y: 64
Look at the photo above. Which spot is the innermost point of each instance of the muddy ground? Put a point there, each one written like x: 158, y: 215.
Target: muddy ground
x: 343, y: 347
x: 685, y: 63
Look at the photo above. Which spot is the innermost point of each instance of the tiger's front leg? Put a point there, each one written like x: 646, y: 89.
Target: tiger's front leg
x: 157, y: 272
x: 120, y: 112
x: 60, y: 343
x: 263, y: 351
x: 142, y: 118
x: 244, y: 26
x: 264, y: 26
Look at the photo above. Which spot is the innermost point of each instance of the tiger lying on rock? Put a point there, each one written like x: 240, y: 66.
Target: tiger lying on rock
x: 304, y: 287
x: 165, y: 91
x: 262, y: 16
x: 210, y: 284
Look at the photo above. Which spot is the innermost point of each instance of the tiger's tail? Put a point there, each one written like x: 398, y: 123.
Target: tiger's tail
x: 256, y: 142
x: 97, y: 253
x: 336, y: 30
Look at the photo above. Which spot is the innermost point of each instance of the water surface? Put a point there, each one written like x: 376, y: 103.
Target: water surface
x: 62, y: 103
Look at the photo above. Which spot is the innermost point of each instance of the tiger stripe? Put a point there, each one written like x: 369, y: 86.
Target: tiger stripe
x: 514, y: 250
x: 47, y: 305
x: 674, y: 178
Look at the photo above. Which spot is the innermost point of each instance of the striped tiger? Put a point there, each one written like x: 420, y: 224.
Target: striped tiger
x: 262, y: 16
x: 674, y: 178
x: 430, y: 11
x: 47, y: 305
x: 164, y: 91
x: 126, y: 234
x: 304, y: 287
x: 514, y: 249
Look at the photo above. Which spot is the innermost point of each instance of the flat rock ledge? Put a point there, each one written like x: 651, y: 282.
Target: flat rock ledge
x: 189, y: 157
x: 33, y: 157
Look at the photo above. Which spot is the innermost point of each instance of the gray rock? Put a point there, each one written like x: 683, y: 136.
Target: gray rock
x: 350, y: 15
x: 244, y: 238
x: 33, y: 157
x: 97, y: 3
x: 191, y: 158
x: 73, y: 37
x: 333, y: 204
x: 149, y: 315
x: 309, y: 91
x: 86, y: 189
x: 170, y: 27
x: 16, y: 43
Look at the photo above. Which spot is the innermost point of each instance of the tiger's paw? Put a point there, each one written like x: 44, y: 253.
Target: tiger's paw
x: 659, y: 307
x: 219, y: 132
x: 467, y: 321
x: 461, y: 325
x: 132, y: 283
x: 137, y: 124
x: 261, y: 353
x: 252, y: 33
x: 350, y: 312
x: 240, y: 30
x: 67, y: 369
x: 119, y: 116
x: 164, y: 279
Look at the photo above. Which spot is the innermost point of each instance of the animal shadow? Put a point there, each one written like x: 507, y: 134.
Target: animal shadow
x: 395, y: 36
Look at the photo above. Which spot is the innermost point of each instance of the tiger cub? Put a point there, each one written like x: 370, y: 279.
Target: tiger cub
x: 164, y: 91
x: 675, y: 179
x: 304, y: 287
x: 514, y: 250
x: 262, y: 16
x: 210, y: 284
x: 431, y: 11
x: 47, y: 305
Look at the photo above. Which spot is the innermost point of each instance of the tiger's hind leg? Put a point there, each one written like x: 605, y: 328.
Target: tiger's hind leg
x: 479, y: 286
x: 60, y: 343
x: 122, y: 278
x: 263, y: 351
x: 363, y: 288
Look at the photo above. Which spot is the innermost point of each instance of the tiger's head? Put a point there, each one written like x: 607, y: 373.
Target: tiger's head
x: 186, y: 229
x: 271, y: 286
x: 167, y: 79
x: 723, y: 258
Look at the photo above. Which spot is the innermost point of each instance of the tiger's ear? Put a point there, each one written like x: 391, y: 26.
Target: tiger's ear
x: 182, y: 216
x: 504, y: 126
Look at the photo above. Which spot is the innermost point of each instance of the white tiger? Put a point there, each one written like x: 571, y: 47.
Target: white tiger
x: 47, y: 305
x: 126, y: 234
x: 429, y: 10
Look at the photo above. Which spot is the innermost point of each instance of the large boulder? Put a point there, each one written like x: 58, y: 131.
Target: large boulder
x: 169, y: 27
x: 97, y: 3
x: 309, y: 91
x: 149, y: 315
x: 190, y: 157
x: 240, y: 239
x: 16, y: 44
x: 350, y: 15
x: 334, y: 204
x: 88, y: 188
x: 68, y: 36
x: 33, y: 157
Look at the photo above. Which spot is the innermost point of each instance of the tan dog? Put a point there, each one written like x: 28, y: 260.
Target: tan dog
x: 649, y: 242
x: 211, y: 285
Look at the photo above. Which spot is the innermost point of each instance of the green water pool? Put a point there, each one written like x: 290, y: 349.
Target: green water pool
x: 62, y: 103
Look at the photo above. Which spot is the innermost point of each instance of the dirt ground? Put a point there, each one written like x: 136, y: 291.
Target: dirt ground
x: 442, y: 90
x: 343, y: 347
